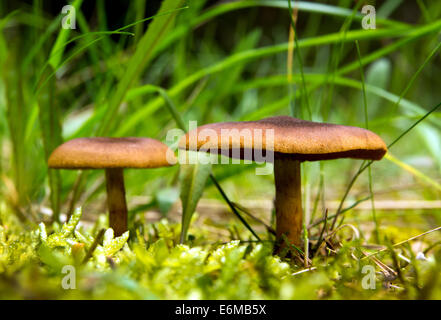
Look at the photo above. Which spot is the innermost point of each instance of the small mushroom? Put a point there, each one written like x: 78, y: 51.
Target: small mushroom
x: 295, y: 141
x: 113, y: 155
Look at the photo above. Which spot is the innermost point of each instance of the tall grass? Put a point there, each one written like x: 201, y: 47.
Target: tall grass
x: 59, y: 84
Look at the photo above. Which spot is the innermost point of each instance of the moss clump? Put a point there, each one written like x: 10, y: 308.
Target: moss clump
x: 32, y: 265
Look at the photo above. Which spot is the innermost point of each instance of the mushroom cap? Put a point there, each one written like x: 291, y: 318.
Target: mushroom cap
x: 102, y: 153
x: 294, y: 138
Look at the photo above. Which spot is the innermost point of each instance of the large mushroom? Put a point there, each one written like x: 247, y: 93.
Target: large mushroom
x: 294, y: 141
x: 113, y: 155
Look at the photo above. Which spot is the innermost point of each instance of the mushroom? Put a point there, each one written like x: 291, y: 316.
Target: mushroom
x: 113, y: 155
x: 294, y: 141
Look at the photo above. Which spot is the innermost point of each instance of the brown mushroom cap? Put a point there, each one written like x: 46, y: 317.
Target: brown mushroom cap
x: 102, y: 153
x: 294, y: 138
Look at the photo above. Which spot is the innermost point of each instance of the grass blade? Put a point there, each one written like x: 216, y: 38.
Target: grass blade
x: 140, y: 59
x: 60, y: 43
x: 366, y: 119
x: 254, y: 54
x: 365, y: 166
x: 51, y: 135
x: 192, y: 180
x: 413, y: 171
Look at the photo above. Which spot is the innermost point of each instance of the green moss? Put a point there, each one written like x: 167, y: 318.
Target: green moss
x: 32, y: 262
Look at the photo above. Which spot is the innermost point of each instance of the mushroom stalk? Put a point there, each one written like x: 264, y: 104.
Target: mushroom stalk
x: 116, y: 200
x: 288, y: 201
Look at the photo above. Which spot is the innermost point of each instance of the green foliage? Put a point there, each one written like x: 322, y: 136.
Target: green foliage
x: 211, y: 62
x: 32, y: 263
x: 192, y: 180
x: 61, y: 238
x: 142, y: 56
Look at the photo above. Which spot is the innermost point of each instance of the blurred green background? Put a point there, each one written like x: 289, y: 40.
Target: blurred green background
x: 217, y: 61
x: 222, y: 61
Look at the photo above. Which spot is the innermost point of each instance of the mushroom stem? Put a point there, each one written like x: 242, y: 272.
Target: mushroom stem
x: 116, y: 200
x: 288, y: 201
